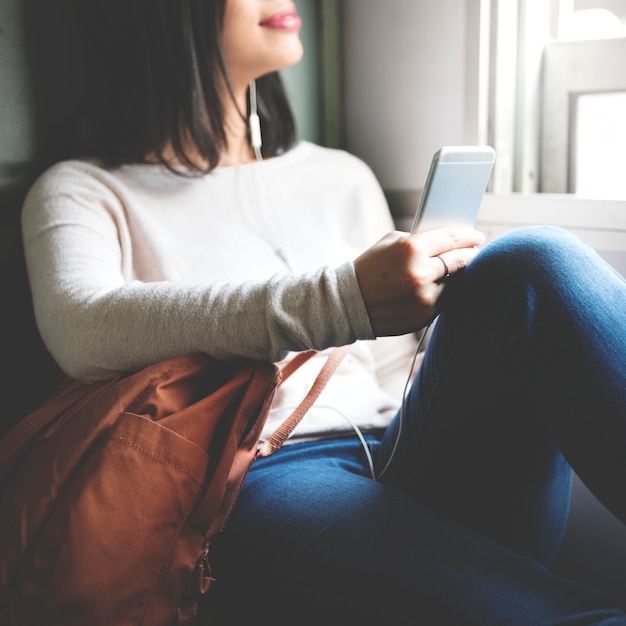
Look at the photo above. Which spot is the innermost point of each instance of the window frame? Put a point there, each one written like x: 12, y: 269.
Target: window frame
x: 519, y: 32
x: 570, y: 69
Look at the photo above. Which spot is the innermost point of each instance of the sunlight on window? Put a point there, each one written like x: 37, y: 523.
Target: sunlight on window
x: 592, y: 24
x: 601, y: 146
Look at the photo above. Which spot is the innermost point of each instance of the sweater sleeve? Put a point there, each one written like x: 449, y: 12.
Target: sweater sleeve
x: 95, y: 321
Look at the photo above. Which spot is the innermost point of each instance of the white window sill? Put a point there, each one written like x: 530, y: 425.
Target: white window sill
x: 601, y: 222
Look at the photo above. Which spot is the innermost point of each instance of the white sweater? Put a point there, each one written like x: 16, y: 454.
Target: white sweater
x: 134, y: 265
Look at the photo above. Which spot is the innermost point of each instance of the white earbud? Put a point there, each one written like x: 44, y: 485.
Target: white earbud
x: 255, y: 123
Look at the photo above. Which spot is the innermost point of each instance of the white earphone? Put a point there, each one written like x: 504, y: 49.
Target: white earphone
x: 255, y: 123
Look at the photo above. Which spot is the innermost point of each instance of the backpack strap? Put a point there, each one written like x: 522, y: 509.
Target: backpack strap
x: 277, y: 438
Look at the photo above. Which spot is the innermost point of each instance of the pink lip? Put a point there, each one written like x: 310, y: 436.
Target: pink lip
x: 284, y: 19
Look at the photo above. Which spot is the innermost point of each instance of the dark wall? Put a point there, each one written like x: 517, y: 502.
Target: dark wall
x: 29, y: 371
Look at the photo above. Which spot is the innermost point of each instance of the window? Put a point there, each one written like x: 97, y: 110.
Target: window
x: 554, y: 109
x: 599, y: 146
x: 558, y: 85
x: 584, y: 86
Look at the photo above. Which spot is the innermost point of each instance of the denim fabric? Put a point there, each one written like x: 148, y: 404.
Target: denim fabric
x: 524, y: 378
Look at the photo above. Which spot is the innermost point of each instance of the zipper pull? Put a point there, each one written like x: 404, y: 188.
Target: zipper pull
x: 205, y: 576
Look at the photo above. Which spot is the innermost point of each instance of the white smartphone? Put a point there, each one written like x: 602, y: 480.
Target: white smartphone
x: 455, y: 186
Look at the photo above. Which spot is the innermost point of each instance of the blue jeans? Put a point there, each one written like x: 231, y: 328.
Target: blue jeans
x: 524, y: 377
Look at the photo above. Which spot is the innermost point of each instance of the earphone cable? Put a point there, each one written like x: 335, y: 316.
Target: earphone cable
x: 404, y: 397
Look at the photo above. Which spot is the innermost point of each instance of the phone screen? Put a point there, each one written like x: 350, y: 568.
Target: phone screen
x: 455, y: 186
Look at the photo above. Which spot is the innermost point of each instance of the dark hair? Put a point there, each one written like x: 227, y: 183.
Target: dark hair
x: 119, y: 80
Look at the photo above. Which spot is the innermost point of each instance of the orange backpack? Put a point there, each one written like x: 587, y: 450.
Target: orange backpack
x: 110, y: 493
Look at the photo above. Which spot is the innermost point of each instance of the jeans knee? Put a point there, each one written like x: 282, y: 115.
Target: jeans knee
x: 544, y: 247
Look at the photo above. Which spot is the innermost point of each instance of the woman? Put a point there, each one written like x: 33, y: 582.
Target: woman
x: 168, y: 227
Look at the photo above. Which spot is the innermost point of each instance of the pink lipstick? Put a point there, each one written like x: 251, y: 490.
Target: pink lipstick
x: 284, y: 19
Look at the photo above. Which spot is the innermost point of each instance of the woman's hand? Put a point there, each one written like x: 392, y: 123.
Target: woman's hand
x: 401, y: 275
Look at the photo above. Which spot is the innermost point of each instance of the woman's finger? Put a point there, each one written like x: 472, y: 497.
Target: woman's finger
x: 448, y: 263
x: 446, y: 269
x: 440, y: 240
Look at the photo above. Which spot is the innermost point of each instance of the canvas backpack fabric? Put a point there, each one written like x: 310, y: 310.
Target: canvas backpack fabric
x: 111, y: 493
